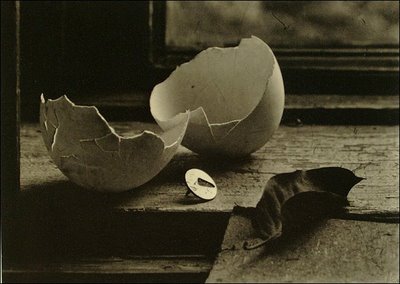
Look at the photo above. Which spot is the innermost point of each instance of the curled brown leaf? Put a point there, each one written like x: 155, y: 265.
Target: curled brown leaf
x: 293, y: 201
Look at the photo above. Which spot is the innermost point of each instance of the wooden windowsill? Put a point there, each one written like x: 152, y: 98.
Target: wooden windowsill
x: 160, y: 207
x: 370, y: 151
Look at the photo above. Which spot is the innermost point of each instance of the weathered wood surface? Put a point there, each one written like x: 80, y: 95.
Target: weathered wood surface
x: 117, y: 265
x: 114, y: 269
x: 337, y: 251
x: 371, y: 152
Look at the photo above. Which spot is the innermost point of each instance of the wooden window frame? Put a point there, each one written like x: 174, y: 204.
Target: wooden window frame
x: 369, y: 78
x: 345, y: 71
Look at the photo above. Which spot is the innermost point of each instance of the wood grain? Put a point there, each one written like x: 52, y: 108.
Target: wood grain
x: 113, y: 269
x: 370, y: 151
x: 335, y: 251
x: 117, y: 265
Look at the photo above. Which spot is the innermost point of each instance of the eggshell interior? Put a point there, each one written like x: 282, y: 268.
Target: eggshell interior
x: 235, y: 96
x: 91, y: 154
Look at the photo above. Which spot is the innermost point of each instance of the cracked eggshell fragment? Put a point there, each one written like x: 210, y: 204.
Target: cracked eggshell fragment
x: 91, y: 154
x: 235, y: 96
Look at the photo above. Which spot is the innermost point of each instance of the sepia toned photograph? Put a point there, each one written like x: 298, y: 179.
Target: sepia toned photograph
x: 199, y: 141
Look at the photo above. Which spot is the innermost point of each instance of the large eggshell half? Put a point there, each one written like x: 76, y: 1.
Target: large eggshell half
x: 89, y: 152
x: 235, y: 96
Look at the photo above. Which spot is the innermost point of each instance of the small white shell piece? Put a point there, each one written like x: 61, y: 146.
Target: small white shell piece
x: 91, y: 154
x: 235, y: 96
x: 192, y: 177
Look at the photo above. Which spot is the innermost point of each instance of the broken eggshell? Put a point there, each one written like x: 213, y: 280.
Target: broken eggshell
x: 235, y: 96
x: 91, y: 154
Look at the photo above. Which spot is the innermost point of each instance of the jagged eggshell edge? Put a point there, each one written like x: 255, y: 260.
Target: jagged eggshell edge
x: 236, y: 137
x: 91, y: 154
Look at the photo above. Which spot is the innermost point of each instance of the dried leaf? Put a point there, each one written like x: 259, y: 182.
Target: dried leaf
x: 292, y: 201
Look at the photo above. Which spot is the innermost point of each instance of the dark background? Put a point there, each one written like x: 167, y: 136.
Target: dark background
x: 98, y: 53
x: 82, y: 48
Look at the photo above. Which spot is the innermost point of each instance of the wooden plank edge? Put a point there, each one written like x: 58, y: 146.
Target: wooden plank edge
x: 382, y: 217
x: 118, y: 265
